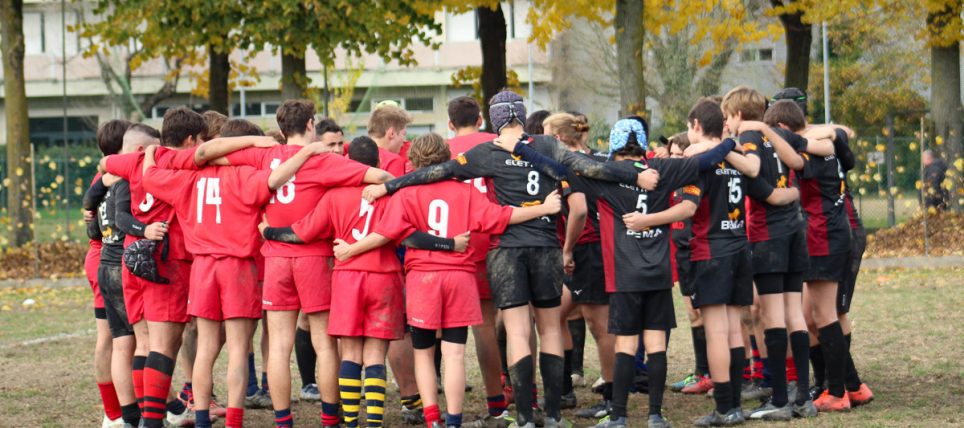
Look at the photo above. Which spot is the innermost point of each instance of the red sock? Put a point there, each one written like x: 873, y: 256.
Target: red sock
x: 137, y: 376
x: 535, y: 396
x: 157, y: 383
x: 791, y: 370
x: 108, y: 395
x: 234, y: 418
x: 432, y: 414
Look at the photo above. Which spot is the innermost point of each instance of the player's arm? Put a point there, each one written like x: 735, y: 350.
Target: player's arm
x: 819, y: 140
x: 280, y: 175
x: 377, y: 176
x: 427, y: 241
x: 220, y: 147
x: 576, y: 220
x: 540, y: 162
x: 638, y: 222
x: 471, y: 164
x: 280, y: 234
x: 784, y: 152
x: 748, y: 165
x: 122, y: 211
x: 344, y: 251
x: 708, y: 159
x: 841, y: 146
x: 780, y: 197
x: 95, y: 195
x: 550, y: 206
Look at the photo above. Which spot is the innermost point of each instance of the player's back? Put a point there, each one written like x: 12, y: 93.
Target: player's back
x: 719, y: 225
x: 479, y: 242
x: 823, y: 197
x: 352, y: 218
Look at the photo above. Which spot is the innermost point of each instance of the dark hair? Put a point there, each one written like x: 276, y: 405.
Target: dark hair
x: 464, y: 111
x: 364, y: 150
x: 214, y: 121
x: 632, y: 149
x: 643, y: 122
x: 239, y: 127
x: 428, y: 149
x: 110, y: 136
x: 293, y: 117
x: 534, y: 122
x: 681, y: 140
x: 179, y: 124
x: 710, y: 116
x: 327, y: 125
x: 147, y: 130
x: 795, y: 95
x: 786, y: 112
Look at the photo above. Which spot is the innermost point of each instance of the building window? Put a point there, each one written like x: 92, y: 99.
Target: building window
x: 158, y: 112
x: 250, y: 109
x: 33, y: 33
x: 270, y: 109
x: 766, y: 54
x: 463, y: 27
x: 754, y: 55
x: 420, y: 104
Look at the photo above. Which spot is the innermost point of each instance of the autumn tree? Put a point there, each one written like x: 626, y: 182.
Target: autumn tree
x: 19, y: 181
x: 944, y: 35
x: 798, y: 35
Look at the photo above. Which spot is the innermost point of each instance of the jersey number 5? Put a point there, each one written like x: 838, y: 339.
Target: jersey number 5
x: 286, y: 193
x: 209, y: 193
x: 641, y: 204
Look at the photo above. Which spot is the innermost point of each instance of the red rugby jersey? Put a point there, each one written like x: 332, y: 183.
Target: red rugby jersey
x: 479, y: 242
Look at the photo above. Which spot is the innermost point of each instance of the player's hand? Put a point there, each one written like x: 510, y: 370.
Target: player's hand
x: 461, y: 242
x: 661, y: 152
x: 109, y: 179
x: 506, y: 143
x: 648, y: 179
x: 553, y: 203
x: 374, y: 191
x: 264, y: 142
x: 636, y: 221
x: 341, y: 249
x: 695, y: 149
x: 262, y: 226
x: 568, y: 264
x: 88, y: 216
x: 150, y: 150
x: 156, y: 231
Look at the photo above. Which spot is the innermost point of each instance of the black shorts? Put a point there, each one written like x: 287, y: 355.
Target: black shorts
x: 845, y: 290
x: 632, y: 312
x: 588, y: 283
x: 519, y: 276
x: 780, y: 255
x: 726, y: 280
x: 684, y: 272
x: 828, y: 268
x: 776, y: 283
x: 109, y: 279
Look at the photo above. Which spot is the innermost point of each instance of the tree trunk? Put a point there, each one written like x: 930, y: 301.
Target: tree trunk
x: 799, y: 37
x: 20, y: 190
x: 946, y: 100
x: 492, y: 34
x: 629, y: 53
x: 219, y: 70
x: 294, y: 75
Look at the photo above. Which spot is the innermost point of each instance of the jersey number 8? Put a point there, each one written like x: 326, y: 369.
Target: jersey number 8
x: 532, y: 184
x: 286, y: 193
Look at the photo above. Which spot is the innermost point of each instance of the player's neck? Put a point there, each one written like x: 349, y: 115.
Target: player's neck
x: 469, y: 130
x: 713, y: 141
x: 382, y: 143
x: 513, y: 132
x: 297, y: 140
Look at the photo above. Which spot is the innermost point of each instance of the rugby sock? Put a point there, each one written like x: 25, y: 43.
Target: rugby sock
x: 775, y: 340
x: 800, y: 345
x: 202, y: 419
x: 758, y: 366
x: 452, y: 420
x: 852, y: 379
x: 747, y: 374
x: 657, y: 381
x: 552, y: 369
x: 577, y: 329
x: 137, y: 377
x: 496, y: 404
x: 305, y: 356
x: 723, y: 396
x: 252, y: 377
x: 187, y: 392
x: 503, y: 355
x: 264, y: 381
x: 131, y: 414
x: 567, y: 372
x: 175, y: 406
x: 791, y: 370
x: 699, y: 349
x: 834, y: 353
x: 535, y: 392
x: 283, y: 419
x: 521, y: 376
x: 234, y: 418
x: 622, y: 381
x: 607, y: 391
x: 737, y: 358
x: 157, y: 382
x: 819, y: 365
x: 640, y: 358
x: 432, y: 414
x: 108, y: 395
x: 375, y: 382
x: 330, y: 418
x: 349, y: 388
x: 412, y: 402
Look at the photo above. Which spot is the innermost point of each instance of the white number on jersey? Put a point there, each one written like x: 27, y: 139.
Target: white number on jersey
x: 366, y: 211
x: 209, y: 193
x: 641, y: 204
x: 736, y: 192
x: 532, y: 185
x: 147, y: 203
x: 286, y: 193
x: 779, y: 164
x: 438, y: 218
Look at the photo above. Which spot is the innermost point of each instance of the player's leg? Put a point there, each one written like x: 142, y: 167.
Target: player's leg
x: 833, y: 344
x: 401, y: 359
x: 165, y: 339
x: 858, y: 392
x: 773, y: 319
x: 577, y: 329
x: 423, y: 342
x: 799, y: 346
x: 255, y: 396
x: 238, y: 334
x: 737, y: 345
x: 487, y: 351
x: 567, y: 307
x: 185, y: 359
x: 655, y: 342
x: 376, y: 382
x: 518, y: 323
x: 326, y: 348
x: 701, y: 382
x: 717, y: 325
x: 280, y: 343
x: 102, y: 367
x: 122, y: 343
x: 551, y: 360
x: 350, y: 378
x: 307, y: 360
x: 597, y: 318
x: 141, y: 349
x: 208, y: 348
x: 453, y: 356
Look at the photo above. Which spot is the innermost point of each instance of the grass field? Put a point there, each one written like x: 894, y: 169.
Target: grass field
x: 907, y: 341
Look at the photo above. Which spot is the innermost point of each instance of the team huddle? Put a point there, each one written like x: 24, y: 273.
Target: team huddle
x: 389, y: 251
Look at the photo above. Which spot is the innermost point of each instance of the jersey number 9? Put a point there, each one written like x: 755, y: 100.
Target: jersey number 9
x: 438, y: 218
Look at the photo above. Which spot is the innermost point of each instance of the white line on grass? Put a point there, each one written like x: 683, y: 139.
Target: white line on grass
x: 48, y: 339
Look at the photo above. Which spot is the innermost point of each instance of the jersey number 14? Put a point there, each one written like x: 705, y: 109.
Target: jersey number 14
x: 209, y: 193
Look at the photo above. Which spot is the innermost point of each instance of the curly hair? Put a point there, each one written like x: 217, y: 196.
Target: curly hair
x: 428, y: 149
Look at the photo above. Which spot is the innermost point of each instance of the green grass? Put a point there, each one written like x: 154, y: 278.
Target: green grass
x: 907, y: 346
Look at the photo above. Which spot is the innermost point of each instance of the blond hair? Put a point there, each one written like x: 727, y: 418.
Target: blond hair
x: 385, y: 118
x: 568, y: 127
x: 428, y: 149
x: 741, y: 99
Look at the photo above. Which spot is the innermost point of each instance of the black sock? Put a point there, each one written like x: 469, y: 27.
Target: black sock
x: 577, y: 329
x: 776, y: 343
x: 819, y: 365
x: 800, y: 345
x: 175, y: 406
x: 607, y: 391
x: 306, y: 357
x: 438, y: 358
x: 852, y: 380
x: 723, y: 396
x: 521, y: 375
x: 551, y: 368
x: 567, y: 372
x: 834, y: 352
x: 503, y: 355
x: 656, y: 362
x: 699, y: 350
x: 622, y: 380
x: 737, y: 360
x: 131, y: 414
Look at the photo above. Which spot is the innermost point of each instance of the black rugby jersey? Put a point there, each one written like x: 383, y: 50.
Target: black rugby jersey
x: 578, y: 184
x: 823, y: 196
x: 719, y: 225
x: 112, y: 235
x: 765, y: 221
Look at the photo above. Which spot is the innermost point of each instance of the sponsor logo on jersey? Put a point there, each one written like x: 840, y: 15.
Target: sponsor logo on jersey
x: 517, y: 161
x: 691, y: 190
x: 645, y: 234
x: 733, y: 221
x: 461, y: 159
x: 749, y: 146
x: 782, y: 182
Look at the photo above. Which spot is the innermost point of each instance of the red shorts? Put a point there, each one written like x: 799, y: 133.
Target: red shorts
x: 168, y: 302
x: 367, y: 304
x: 259, y: 262
x: 224, y: 288
x: 133, y: 295
x: 91, y: 264
x: 293, y: 283
x: 482, y: 280
x: 442, y: 299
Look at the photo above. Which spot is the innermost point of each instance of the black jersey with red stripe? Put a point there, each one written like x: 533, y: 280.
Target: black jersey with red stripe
x: 719, y: 225
x: 578, y: 183
x: 765, y: 221
x: 852, y: 215
x: 639, y: 261
x: 823, y: 196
